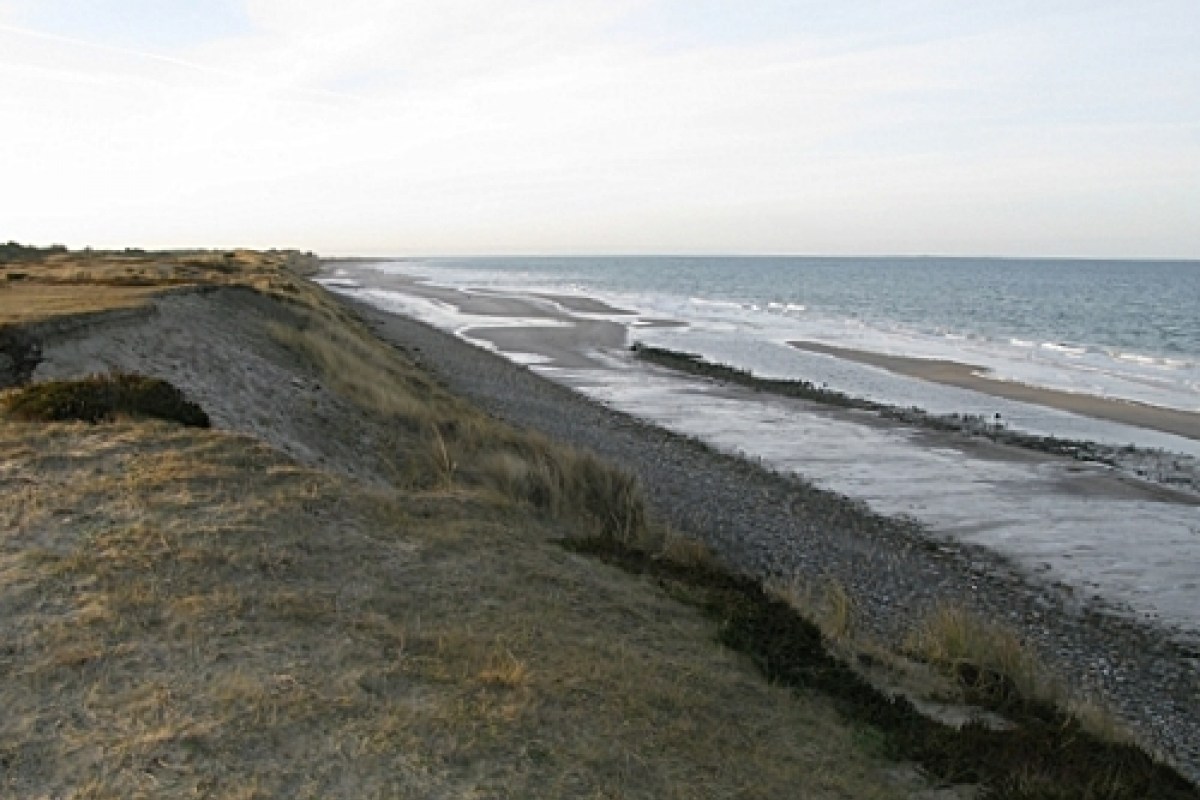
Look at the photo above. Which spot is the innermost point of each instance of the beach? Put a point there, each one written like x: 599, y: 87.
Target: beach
x: 302, y: 600
x: 1066, y: 520
x: 773, y: 525
x: 364, y: 479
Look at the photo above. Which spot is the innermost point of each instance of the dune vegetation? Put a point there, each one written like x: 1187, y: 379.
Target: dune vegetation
x: 189, y: 611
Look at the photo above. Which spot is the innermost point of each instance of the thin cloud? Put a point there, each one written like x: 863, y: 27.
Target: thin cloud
x: 159, y: 59
x: 512, y: 126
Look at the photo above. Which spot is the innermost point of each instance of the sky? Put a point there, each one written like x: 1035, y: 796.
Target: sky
x: 405, y: 127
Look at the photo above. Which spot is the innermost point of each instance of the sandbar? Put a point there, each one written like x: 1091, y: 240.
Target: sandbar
x: 967, y: 376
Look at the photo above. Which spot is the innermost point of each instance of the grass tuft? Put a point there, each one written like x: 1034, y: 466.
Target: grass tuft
x: 504, y: 669
x: 830, y: 608
x: 989, y: 660
x: 103, y: 398
x: 442, y: 443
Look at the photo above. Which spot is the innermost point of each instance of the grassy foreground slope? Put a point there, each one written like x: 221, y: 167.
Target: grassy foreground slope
x: 189, y: 612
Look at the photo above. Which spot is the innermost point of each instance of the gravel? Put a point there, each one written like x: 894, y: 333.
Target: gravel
x: 771, y: 525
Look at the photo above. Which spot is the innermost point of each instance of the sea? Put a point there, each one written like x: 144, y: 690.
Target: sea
x: 1125, y: 330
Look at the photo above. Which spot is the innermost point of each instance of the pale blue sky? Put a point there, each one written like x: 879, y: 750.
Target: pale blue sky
x: 1058, y: 127
x: 158, y: 24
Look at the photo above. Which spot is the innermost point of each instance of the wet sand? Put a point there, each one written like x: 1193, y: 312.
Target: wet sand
x: 585, y: 305
x: 967, y: 376
x: 566, y: 346
x: 555, y: 335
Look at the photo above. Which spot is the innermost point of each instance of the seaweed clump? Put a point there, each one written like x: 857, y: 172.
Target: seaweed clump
x: 103, y: 398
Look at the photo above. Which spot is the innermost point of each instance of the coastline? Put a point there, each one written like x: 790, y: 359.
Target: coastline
x: 320, y: 503
x: 774, y: 526
x: 967, y: 376
x: 241, y: 609
x: 1060, y: 508
x: 536, y: 311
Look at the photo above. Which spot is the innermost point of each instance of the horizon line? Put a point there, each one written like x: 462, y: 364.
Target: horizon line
x: 693, y: 255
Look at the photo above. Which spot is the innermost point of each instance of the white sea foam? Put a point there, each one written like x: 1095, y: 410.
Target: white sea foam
x: 1054, y: 364
x: 527, y: 359
x: 1065, y: 349
x: 340, y: 282
x: 701, y: 302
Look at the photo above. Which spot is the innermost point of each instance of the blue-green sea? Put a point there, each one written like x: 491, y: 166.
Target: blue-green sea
x: 1124, y: 329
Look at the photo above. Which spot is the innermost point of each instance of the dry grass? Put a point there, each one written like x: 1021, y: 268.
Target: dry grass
x: 50, y: 285
x: 685, y: 552
x: 954, y: 639
x: 928, y: 667
x: 830, y: 607
x: 951, y: 638
x: 191, y: 614
x: 967, y: 653
x: 440, y: 442
x: 827, y: 605
x: 377, y: 378
x: 188, y: 613
x: 30, y: 302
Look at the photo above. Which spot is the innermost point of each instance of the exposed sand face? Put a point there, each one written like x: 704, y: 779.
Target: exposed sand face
x: 217, y: 347
x: 967, y: 376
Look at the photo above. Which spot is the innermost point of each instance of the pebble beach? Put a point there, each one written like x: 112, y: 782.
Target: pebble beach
x: 778, y: 526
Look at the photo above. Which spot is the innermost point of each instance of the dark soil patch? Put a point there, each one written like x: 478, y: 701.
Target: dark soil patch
x: 20, y: 354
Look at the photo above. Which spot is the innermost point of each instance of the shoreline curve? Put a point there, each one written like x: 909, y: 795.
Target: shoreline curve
x: 966, y: 376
